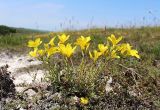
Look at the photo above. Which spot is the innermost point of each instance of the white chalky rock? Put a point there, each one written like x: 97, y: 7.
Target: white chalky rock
x: 17, y: 62
x: 108, y: 86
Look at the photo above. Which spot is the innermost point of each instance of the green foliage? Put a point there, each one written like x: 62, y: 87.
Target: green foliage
x: 13, y: 40
x: 156, y: 50
x: 150, y: 49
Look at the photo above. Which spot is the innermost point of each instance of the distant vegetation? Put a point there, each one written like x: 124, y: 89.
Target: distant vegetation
x: 12, y: 37
x: 4, y: 30
x: 28, y: 31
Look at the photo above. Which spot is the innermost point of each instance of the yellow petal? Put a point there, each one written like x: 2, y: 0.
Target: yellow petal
x: 113, y: 39
x: 52, y: 51
x: 83, y: 42
x: 51, y: 42
x: 84, y: 100
x: 33, y: 53
x: 66, y: 50
x: 134, y: 53
x: 102, y: 48
x: 35, y: 43
x: 30, y: 43
x: 119, y: 39
x: 63, y: 38
x: 41, y: 52
x: 90, y: 55
x: 114, y: 54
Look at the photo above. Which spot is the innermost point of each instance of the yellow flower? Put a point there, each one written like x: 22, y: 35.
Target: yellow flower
x: 95, y: 55
x: 36, y: 52
x: 46, y: 46
x: 124, y: 48
x: 127, y: 50
x: 102, y: 48
x: 33, y: 53
x: 41, y: 52
x: 35, y: 43
x: 66, y: 50
x: 63, y: 38
x: 114, y: 54
x: 84, y: 101
x: 133, y: 53
x: 51, y: 42
x: 51, y: 51
x: 113, y: 39
x: 83, y: 42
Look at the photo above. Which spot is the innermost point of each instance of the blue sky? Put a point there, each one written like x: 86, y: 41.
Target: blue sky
x: 76, y: 14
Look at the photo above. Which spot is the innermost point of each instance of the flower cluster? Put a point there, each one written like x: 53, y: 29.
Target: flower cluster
x: 83, y: 75
x: 111, y: 50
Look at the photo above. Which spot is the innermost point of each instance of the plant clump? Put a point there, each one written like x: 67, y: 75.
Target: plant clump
x: 83, y: 78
